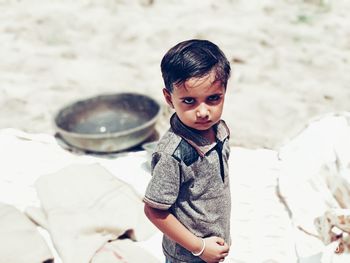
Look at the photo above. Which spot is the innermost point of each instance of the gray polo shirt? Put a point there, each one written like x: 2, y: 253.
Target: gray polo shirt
x: 190, y: 179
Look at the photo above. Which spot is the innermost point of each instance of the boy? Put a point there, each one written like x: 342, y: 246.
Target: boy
x: 188, y: 197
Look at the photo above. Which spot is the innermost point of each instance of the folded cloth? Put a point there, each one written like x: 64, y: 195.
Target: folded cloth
x: 84, y: 207
x: 122, y: 251
x: 315, y: 182
x: 334, y: 225
x: 20, y: 241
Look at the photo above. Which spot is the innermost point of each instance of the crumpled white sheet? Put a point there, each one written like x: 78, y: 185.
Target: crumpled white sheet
x: 26, y: 157
x: 261, y: 229
x: 319, y: 153
x: 20, y: 242
x: 84, y: 206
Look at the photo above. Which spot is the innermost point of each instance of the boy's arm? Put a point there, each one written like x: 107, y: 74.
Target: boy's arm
x: 215, y: 248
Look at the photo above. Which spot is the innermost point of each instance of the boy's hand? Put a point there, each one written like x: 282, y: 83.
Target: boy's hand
x: 215, y: 250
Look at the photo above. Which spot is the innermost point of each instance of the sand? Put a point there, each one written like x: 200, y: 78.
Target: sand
x: 290, y: 59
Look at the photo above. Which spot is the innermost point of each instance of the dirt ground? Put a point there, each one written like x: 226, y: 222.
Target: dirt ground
x: 290, y: 59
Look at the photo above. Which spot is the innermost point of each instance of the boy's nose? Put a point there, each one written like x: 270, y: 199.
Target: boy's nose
x: 202, y: 111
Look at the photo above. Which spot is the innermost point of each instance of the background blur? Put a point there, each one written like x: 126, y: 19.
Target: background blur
x: 290, y: 59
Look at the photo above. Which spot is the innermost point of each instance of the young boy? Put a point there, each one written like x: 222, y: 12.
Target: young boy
x: 188, y: 197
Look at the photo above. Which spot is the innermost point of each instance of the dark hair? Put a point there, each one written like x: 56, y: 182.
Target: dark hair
x: 194, y: 58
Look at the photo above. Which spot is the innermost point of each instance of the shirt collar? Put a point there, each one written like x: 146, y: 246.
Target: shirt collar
x: 201, y: 144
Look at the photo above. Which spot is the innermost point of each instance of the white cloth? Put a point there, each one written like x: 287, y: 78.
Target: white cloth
x: 311, y: 163
x: 20, y: 241
x: 85, y: 206
x: 122, y: 251
x: 261, y: 230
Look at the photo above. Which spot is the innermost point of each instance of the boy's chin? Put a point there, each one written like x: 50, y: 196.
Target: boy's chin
x: 200, y: 127
x: 203, y: 128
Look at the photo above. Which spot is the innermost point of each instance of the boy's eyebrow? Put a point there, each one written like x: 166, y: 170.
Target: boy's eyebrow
x: 186, y: 97
x: 216, y: 93
x: 213, y: 94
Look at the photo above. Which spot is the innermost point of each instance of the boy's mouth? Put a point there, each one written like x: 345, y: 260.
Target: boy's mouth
x: 203, y: 122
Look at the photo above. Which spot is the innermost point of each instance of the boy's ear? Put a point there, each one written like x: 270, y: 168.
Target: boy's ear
x: 168, y: 98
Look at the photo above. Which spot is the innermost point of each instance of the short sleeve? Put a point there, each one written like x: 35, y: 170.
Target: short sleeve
x: 163, y: 189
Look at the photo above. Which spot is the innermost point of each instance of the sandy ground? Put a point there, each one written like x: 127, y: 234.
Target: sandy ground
x: 290, y: 59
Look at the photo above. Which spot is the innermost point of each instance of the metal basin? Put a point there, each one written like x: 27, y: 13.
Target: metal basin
x: 108, y: 123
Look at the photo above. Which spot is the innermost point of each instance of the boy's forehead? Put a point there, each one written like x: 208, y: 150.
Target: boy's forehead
x: 194, y: 82
x: 204, y: 82
x: 199, y: 90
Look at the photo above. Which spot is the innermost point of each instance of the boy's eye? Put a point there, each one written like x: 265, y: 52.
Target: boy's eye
x: 214, y: 98
x: 188, y: 100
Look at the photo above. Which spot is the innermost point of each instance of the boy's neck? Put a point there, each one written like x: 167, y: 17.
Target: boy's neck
x: 209, y: 134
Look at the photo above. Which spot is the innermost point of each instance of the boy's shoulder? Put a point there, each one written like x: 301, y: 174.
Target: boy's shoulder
x: 168, y: 142
x: 174, y: 145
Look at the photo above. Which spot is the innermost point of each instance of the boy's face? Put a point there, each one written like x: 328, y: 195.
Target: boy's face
x: 198, y: 102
